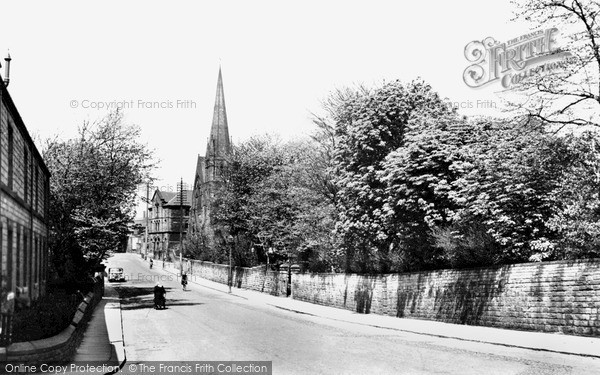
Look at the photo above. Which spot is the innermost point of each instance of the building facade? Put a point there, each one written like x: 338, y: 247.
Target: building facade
x: 210, y: 169
x: 24, y: 192
x: 137, y: 235
x: 168, y: 222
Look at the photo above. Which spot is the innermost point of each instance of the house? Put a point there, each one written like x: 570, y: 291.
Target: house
x: 24, y: 194
x: 167, y: 222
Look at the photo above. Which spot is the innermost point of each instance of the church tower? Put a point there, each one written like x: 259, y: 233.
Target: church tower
x: 210, y: 170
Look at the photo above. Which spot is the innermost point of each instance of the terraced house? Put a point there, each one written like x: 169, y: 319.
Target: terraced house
x: 24, y: 188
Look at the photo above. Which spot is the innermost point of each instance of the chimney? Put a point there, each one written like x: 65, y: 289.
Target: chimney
x: 7, y: 69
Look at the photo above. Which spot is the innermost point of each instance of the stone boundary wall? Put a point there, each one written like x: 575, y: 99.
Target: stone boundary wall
x: 59, y: 348
x: 561, y: 296
x: 257, y: 279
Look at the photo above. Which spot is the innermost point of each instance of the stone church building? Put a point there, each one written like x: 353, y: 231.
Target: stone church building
x: 210, y: 170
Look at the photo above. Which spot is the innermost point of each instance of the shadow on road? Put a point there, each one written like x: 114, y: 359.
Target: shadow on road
x: 135, y: 298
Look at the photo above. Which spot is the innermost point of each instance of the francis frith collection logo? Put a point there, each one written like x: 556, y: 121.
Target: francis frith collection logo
x: 510, y: 62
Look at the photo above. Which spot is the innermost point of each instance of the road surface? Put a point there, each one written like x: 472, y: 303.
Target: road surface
x: 203, y: 324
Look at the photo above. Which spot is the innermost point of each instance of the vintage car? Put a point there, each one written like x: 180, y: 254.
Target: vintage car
x: 116, y: 274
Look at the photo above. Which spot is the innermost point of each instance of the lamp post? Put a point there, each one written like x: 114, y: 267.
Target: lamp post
x: 230, y: 243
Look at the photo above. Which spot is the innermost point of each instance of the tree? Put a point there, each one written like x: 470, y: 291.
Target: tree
x: 276, y: 199
x: 569, y: 95
x: 370, y: 124
x: 92, y: 192
x: 251, y: 162
x: 420, y: 185
x: 577, y: 223
x: 503, y: 195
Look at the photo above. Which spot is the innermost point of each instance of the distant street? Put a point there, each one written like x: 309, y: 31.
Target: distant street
x: 207, y: 325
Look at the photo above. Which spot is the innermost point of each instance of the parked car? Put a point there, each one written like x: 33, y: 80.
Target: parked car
x: 115, y: 274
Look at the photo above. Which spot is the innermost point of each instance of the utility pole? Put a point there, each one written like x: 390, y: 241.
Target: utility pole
x: 181, y: 227
x: 147, y: 222
x: 230, y: 243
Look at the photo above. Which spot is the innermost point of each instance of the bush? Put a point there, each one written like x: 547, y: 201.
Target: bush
x: 47, y: 316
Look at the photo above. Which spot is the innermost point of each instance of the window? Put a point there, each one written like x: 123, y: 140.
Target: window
x: 9, y: 258
x: 37, y: 175
x: 34, y: 262
x: 46, y: 194
x: 19, y: 264
x: 25, y: 173
x: 25, y: 251
x: 11, y: 141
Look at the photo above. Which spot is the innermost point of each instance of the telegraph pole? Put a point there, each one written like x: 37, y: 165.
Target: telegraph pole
x: 147, y: 222
x: 181, y: 227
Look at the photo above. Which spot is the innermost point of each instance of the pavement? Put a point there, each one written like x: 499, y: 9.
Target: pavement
x: 103, y: 339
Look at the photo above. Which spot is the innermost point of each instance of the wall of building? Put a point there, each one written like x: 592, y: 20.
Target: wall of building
x: 561, y: 296
x: 24, y: 183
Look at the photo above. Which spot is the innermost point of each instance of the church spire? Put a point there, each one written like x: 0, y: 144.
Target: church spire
x: 219, y: 144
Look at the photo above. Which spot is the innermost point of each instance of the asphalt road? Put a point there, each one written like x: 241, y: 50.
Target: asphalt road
x: 207, y: 325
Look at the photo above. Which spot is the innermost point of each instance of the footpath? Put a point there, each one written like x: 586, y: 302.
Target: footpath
x: 551, y: 342
x: 102, y: 342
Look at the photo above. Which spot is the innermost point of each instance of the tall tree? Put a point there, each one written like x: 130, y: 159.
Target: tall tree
x: 577, y: 222
x: 504, y: 194
x: 370, y: 124
x: 92, y: 192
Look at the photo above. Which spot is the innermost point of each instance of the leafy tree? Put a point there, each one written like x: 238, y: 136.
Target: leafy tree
x: 276, y: 200
x: 252, y: 161
x: 92, y: 192
x: 420, y: 184
x: 370, y: 124
x: 503, y: 194
x: 522, y: 195
x: 576, y: 223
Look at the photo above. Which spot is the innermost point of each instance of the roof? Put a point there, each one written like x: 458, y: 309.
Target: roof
x: 175, y: 201
x: 167, y: 195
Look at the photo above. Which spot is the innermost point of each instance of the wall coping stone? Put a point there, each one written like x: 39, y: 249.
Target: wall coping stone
x: 43, y: 345
x: 57, y: 342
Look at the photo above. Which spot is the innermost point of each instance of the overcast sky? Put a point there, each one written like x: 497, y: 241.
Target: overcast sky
x: 279, y: 60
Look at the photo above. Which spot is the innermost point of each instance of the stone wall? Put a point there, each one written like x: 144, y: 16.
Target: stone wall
x: 257, y: 279
x: 561, y: 296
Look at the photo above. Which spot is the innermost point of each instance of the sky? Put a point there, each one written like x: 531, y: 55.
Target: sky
x: 279, y: 61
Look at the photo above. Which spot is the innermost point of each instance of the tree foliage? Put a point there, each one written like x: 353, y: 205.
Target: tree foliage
x: 275, y: 202
x: 370, y: 124
x: 422, y: 188
x: 92, y: 192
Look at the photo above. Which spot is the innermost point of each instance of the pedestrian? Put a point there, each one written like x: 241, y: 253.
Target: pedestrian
x: 184, y: 280
x: 159, y: 296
